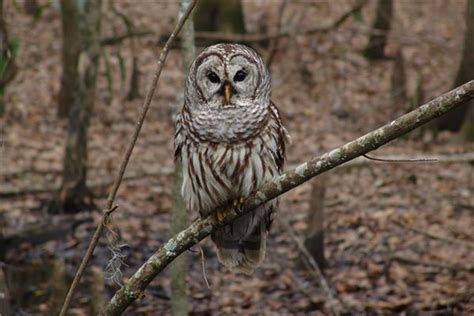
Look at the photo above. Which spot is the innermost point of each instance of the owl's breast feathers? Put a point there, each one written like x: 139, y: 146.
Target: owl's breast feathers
x: 215, y: 172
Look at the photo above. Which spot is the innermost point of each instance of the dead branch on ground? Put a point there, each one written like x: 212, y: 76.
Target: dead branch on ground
x: 428, y: 234
x: 314, y: 269
x: 452, y: 268
x: 134, y: 287
x: 57, y: 227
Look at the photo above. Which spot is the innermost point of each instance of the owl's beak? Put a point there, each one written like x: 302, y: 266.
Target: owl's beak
x: 227, y: 92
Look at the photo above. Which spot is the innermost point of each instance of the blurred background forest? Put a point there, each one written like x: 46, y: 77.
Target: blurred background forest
x: 390, y: 237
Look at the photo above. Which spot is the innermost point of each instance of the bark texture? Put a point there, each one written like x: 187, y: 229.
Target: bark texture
x: 178, y: 271
x: 71, y: 50
x: 135, y: 286
x: 314, y: 240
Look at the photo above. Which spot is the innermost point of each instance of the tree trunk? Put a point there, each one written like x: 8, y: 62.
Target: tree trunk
x: 7, y: 61
x: 70, y: 57
x: 398, y: 84
x: 134, y: 90
x: 178, y: 270
x: 378, y: 39
x: 314, y: 240
x: 73, y: 192
x: 219, y: 16
x: 453, y: 121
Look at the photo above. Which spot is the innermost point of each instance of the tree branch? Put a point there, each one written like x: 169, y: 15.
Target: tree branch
x: 134, y: 287
x: 262, y: 37
x: 115, y: 40
x: 118, y: 180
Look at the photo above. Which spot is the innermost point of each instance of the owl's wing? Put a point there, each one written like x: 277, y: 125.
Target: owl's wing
x: 283, y: 137
x: 178, y: 137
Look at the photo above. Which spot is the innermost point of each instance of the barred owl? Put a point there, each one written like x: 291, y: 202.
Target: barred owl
x: 230, y: 139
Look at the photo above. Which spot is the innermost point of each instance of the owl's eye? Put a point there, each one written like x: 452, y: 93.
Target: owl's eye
x: 240, y: 76
x: 213, y: 77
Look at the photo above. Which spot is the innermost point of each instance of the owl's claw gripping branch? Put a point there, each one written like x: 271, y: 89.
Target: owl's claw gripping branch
x: 221, y: 216
x: 238, y: 205
x: 218, y: 217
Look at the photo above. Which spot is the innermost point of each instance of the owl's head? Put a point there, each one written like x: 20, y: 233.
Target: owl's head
x: 227, y: 76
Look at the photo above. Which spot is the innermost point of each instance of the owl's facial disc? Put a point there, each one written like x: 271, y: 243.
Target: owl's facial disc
x: 229, y: 79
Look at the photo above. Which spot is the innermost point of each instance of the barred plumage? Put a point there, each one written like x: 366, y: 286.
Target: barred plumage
x: 230, y: 139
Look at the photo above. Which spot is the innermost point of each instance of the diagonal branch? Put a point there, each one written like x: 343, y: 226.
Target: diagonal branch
x: 134, y: 287
x: 123, y: 165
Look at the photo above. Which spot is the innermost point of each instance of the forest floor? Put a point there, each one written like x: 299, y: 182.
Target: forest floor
x: 380, y: 259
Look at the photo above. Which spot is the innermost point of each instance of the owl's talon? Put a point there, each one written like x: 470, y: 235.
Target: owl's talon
x: 218, y: 217
x: 238, y: 205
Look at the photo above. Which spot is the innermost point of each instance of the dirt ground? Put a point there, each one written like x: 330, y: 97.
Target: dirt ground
x: 380, y: 259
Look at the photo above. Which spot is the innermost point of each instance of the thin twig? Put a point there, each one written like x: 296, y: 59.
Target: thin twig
x: 263, y: 37
x: 200, y: 229
x: 435, y: 236
x: 125, y: 160
x: 167, y: 171
x: 400, y: 160
x: 315, y: 270
x: 203, y: 264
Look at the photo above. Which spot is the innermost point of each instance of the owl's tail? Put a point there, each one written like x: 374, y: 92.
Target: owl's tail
x: 240, y: 255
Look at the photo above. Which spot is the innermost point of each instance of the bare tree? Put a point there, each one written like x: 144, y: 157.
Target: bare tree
x: 178, y: 271
x: 314, y: 240
x: 378, y: 39
x: 110, y: 207
x: 70, y: 56
x: 454, y: 120
x: 73, y: 192
x: 398, y: 82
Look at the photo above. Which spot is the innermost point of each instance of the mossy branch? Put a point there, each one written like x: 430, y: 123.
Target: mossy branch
x: 134, y: 287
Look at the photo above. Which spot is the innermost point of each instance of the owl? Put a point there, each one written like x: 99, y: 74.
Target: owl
x: 230, y: 140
